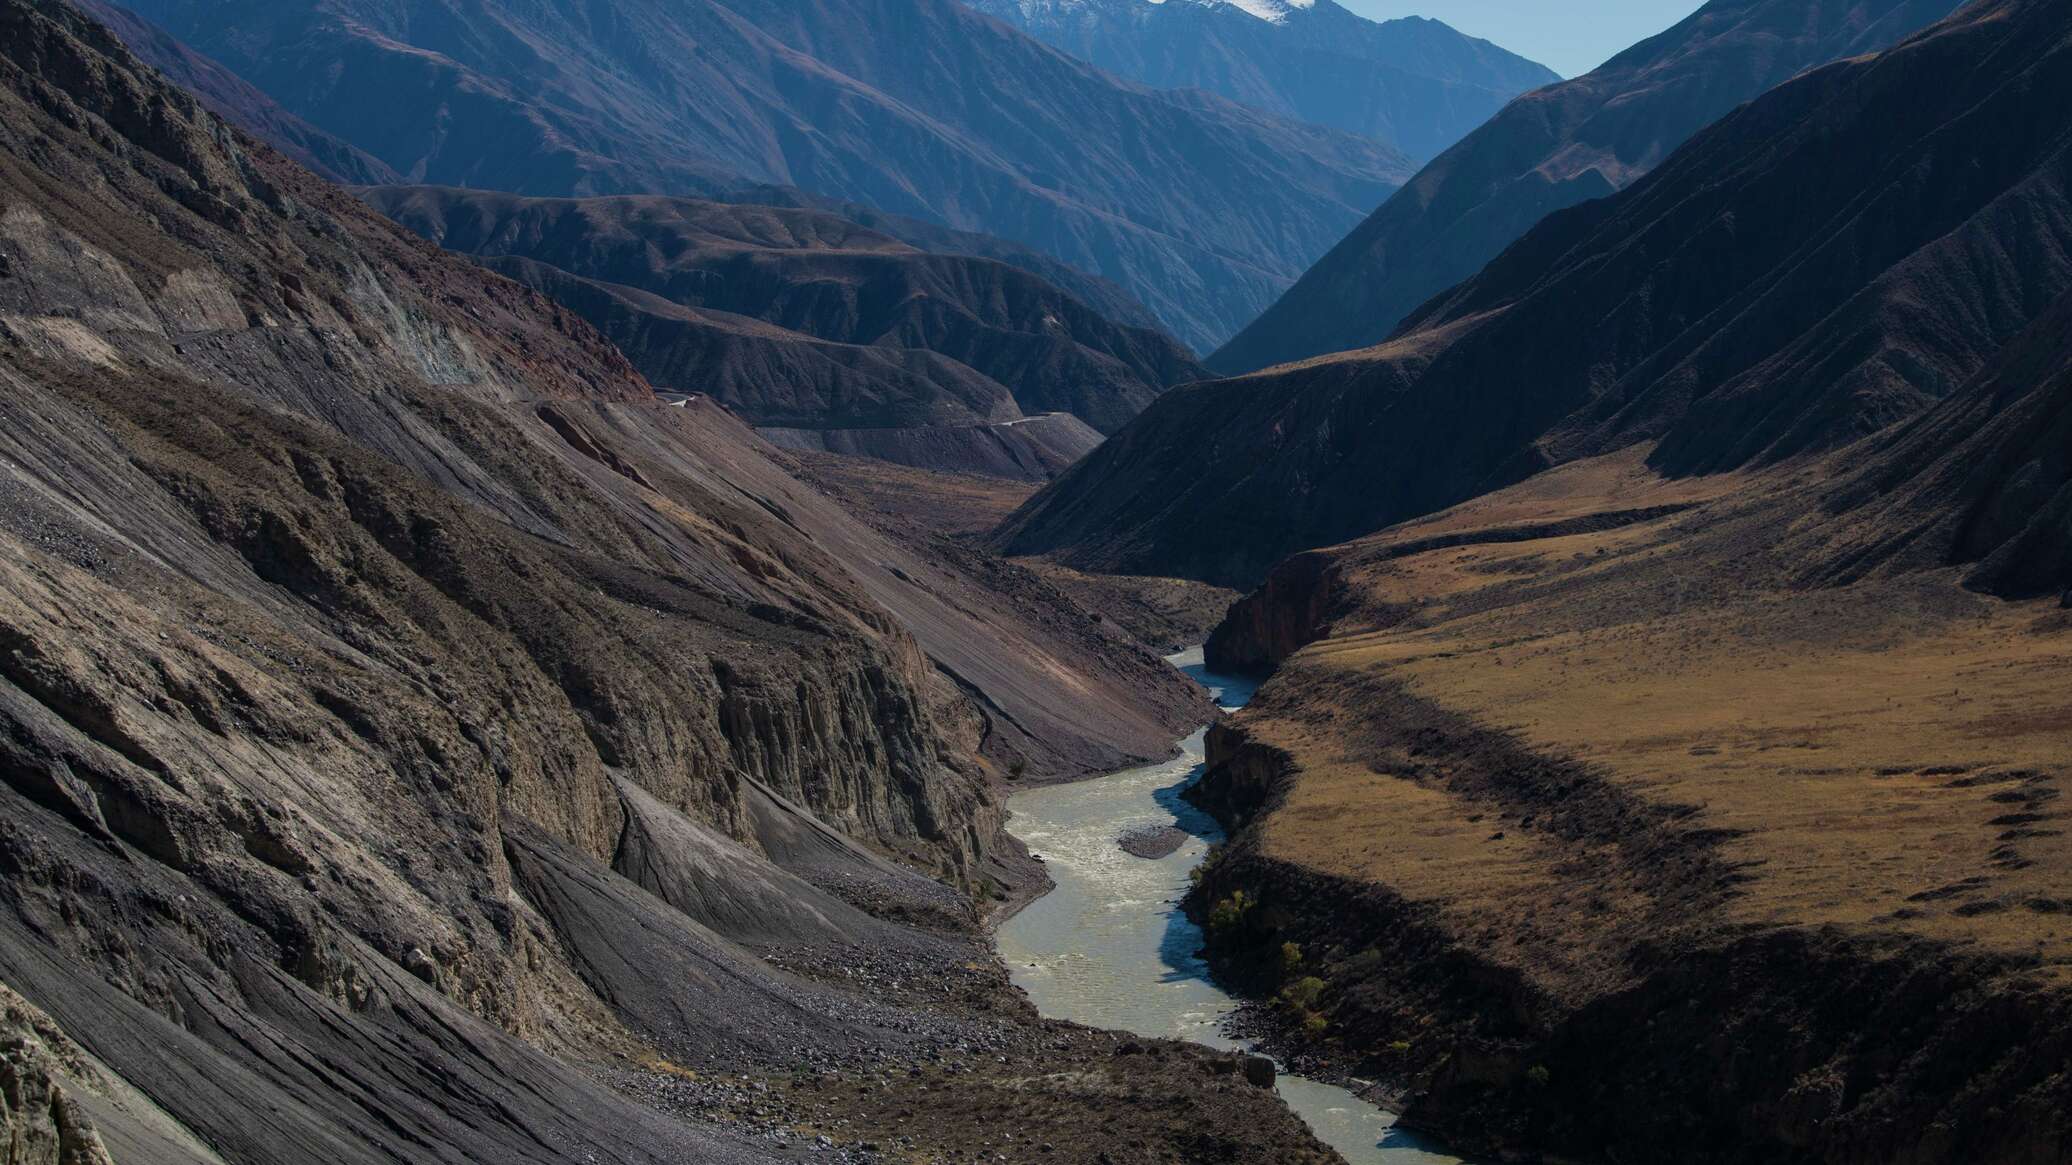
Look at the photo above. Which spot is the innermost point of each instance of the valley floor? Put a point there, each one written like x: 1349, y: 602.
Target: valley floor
x: 1580, y: 802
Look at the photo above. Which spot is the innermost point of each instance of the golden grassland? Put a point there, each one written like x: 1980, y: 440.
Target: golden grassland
x: 1886, y: 757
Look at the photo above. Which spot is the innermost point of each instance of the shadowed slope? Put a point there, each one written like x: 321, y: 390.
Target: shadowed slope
x: 1554, y: 148
x: 1202, y: 209
x: 887, y: 335
x: 1828, y: 260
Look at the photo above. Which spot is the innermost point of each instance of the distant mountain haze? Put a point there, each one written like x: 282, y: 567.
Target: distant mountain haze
x: 1830, y: 259
x: 1201, y: 208
x: 1415, y: 84
x: 1571, y: 39
x: 1554, y: 148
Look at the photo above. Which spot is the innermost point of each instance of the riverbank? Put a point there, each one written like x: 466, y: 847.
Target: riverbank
x: 1602, y: 835
x: 1110, y: 947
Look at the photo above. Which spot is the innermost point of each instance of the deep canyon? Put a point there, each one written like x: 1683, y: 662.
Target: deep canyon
x: 917, y: 582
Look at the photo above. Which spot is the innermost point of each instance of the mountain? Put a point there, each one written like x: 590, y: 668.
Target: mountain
x: 1554, y: 786
x: 1414, y: 83
x: 231, y: 98
x: 1699, y: 796
x: 1827, y: 260
x: 1552, y: 149
x: 419, y: 742
x: 799, y: 319
x: 1202, y: 209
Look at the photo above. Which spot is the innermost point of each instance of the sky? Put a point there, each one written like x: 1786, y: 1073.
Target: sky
x: 1570, y: 37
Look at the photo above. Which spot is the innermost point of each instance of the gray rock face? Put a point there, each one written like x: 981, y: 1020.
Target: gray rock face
x: 359, y: 609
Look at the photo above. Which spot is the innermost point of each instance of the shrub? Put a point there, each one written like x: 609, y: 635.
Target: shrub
x: 1538, y: 1076
x: 1291, y: 959
x: 1230, y: 913
x: 1304, y: 993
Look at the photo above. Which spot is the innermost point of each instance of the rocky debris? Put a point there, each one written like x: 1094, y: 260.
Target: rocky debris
x: 43, y: 1078
x: 1260, y: 1071
x: 1153, y: 841
x: 358, y: 602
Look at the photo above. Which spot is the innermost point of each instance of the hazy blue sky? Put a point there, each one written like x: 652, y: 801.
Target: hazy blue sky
x: 1567, y: 36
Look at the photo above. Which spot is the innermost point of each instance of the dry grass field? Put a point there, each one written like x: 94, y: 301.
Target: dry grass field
x: 1886, y: 758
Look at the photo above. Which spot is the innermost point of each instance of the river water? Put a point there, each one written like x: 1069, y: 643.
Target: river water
x: 1109, y: 947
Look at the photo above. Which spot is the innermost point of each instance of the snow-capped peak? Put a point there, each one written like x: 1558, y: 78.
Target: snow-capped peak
x: 1271, y: 11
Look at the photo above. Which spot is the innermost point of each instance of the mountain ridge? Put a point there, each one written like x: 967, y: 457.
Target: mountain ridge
x: 1562, y: 146
x: 852, y: 329
x: 1414, y: 83
x: 1201, y: 208
x: 1787, y: 282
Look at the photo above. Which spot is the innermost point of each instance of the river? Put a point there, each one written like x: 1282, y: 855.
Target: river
x: 1109, y: 947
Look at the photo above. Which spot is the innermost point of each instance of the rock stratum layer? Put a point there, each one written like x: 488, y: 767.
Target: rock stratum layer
x: 1202, y: 209
x: 1829, y: 259
x: 416, y: 734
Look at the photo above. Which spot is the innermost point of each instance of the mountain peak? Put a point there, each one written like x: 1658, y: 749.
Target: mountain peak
x: 1271, y: 11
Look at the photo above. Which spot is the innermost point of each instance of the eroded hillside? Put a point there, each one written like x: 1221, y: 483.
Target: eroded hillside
x: 416, y: 732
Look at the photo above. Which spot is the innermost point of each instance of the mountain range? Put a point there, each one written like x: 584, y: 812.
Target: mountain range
x: 415, y: 731
x: 797, y: 319
x: 1674, y: 768
x: 1557, y: 147
x: 1201, y: 208
x: 1825, y: 261
x: 1415, y: 83
x: 460, y: 701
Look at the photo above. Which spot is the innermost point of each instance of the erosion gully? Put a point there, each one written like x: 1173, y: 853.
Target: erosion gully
x: 1110, y: 946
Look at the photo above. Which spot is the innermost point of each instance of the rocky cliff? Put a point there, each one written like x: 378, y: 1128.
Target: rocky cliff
x: 416, y: 732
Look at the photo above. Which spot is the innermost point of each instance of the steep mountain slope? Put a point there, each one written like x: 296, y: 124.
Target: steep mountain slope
x: 1563, y: 145
x: 1827, y: 260
x: 803, y: 320
x: 1661, y: 846
x: 1414, y: 83
x: 416, y: 734
x: 231, y: 98
x: 1817, y: 773
x: 1202, y: 209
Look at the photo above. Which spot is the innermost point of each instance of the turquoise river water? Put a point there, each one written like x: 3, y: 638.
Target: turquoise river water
x: 1109, y: 947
